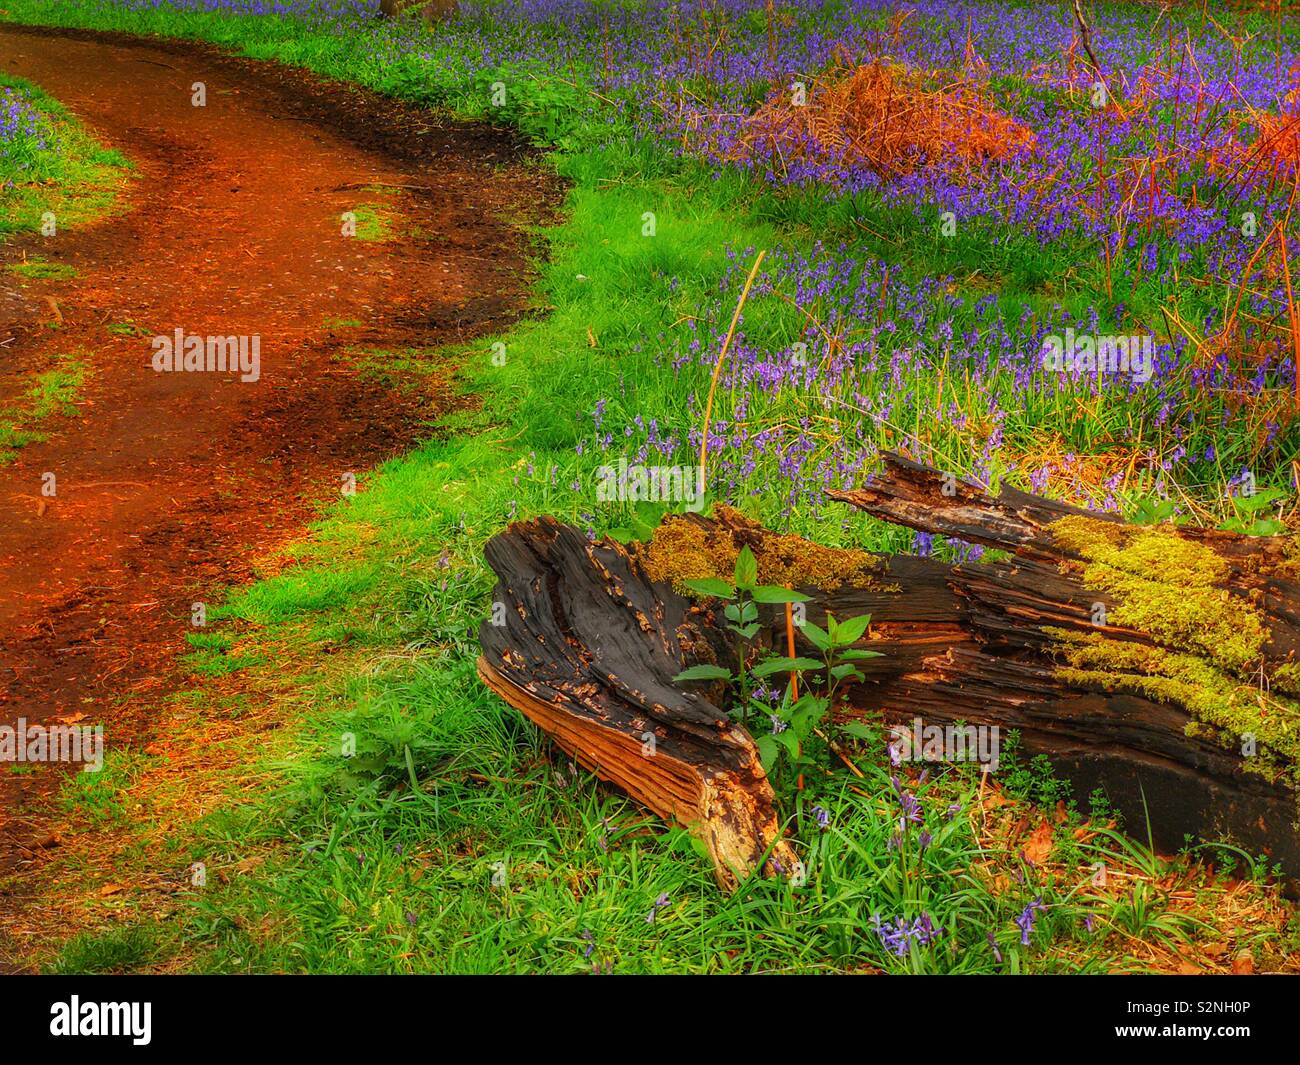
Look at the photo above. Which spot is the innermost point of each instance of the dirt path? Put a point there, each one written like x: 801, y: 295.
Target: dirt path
x: 168, y: 482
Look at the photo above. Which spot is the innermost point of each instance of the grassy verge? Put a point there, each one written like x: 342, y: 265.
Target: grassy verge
x: 53, y: 175
x: 339, y: 793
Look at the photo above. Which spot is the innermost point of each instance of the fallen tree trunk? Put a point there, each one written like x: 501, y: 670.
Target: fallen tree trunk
x: 586, y: 646
x: 1156, y: 663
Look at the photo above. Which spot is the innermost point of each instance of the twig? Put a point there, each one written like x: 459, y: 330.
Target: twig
x: 378, y: 185
x: 722, y: 355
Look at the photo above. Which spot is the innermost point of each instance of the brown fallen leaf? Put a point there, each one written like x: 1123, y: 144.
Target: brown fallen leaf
x: 1038, y: 848
x: 1243, y: 964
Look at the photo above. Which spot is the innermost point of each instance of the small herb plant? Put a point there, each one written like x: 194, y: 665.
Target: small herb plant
x: 1250, y: 515
x: 794, y: 720
x: 742, y: 596
x: 1152, y: 510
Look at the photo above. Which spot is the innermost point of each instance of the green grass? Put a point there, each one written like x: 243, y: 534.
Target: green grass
x: 53, y: 393
x: 98, y: 799
x: 38, y: 269
x: 123, y: 950
x: 402, y: 788
x: 374, y: 222
x: 71, y: 182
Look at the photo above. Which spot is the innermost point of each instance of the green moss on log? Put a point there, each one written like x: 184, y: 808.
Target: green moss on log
x: 1262, y: 726
x: 1168, y: 587
x: 1208, y: 648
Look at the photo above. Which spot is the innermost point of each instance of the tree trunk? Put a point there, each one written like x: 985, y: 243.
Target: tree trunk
x: 430, y: 10
x: 586, y: 646
x: 1156, y: 663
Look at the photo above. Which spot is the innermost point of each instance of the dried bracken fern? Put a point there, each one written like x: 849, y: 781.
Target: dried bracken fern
x: 881, y: 116
x: 1275, y: 150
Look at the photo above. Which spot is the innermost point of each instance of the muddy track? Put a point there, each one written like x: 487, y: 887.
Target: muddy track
x: 167, y: 484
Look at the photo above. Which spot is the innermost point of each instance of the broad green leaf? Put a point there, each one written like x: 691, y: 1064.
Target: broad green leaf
x: 714, y: 586
x: 785, y: 665
x: 1260, y: 500
x: 789, y: 741
x: 819, y: 638
x: 703, y: 672
x: 859, y: 730
x: 648, y: 513
x: 746, y: 568
x: 846, y: 632
x: 768, y: 751
x: 766, y: 593
x: 807, y: 712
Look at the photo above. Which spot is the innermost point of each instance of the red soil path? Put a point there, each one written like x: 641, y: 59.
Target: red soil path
x: 167, y: 482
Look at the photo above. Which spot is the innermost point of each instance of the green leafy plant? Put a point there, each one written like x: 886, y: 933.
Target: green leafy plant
x: 785, y: 750
x: 742, y: 594
x: 1250, y: 517
x: 794, y: 720
x: 1152, y: 510
x: 643, y: 522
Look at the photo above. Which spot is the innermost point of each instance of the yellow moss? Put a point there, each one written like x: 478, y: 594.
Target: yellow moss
x: 1168, y: 587
x: 1223, y: 708
x: 684, y: 550
x: 1210, y: 642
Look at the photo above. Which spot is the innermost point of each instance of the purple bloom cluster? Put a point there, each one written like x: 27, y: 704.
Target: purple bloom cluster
x: 899, y: 935
x: 1025, y: 922
x: 835, y: 357
x: 23, y: 130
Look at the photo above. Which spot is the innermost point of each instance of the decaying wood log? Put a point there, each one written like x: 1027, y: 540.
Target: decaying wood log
x: 1157, y: 663
x: 586, y: 646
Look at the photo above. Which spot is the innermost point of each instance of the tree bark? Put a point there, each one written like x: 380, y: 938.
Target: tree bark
x: 586, y: 646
